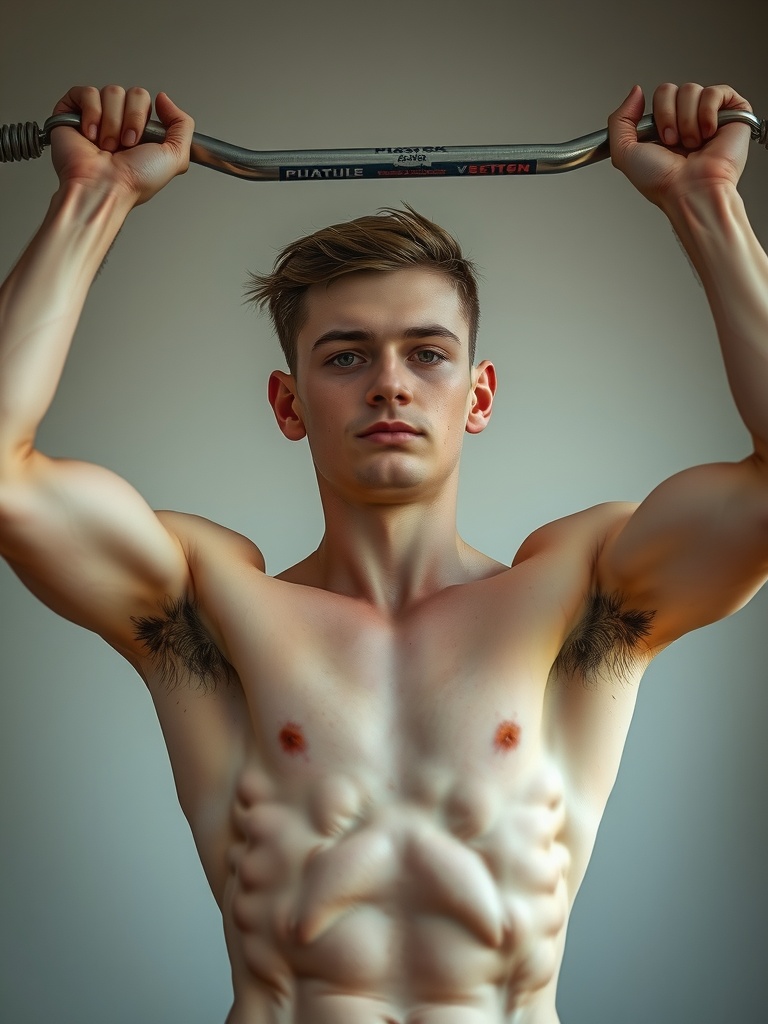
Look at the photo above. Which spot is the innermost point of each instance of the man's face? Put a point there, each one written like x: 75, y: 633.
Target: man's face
x: 384, y: 390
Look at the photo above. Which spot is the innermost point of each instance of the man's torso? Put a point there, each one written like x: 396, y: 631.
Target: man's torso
x: 395, y: 811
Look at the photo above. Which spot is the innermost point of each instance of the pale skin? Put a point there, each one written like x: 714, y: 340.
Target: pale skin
x: 394, y: 756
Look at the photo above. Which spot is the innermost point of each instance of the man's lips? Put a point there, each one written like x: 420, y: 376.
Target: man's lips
x: 390, y: 430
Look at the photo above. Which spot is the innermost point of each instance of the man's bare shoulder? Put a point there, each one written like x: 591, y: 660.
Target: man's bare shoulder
x: 577, y: 535
x: 204, y: 540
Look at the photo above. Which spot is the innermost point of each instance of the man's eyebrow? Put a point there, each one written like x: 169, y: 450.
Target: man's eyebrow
x: 337, y: 334
x: 432, y: 331
x: 359, y: 334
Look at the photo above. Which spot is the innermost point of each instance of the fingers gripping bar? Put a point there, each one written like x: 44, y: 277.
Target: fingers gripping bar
x: 27, y: 141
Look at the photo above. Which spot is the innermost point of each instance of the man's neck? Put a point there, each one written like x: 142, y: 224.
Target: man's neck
x: 391, y: 556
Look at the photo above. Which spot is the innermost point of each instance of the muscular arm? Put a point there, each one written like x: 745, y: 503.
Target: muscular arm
x: 77, y: 535
x: 697, y: 548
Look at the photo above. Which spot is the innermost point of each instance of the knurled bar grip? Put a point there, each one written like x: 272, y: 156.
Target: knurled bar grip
x: 27, y: 141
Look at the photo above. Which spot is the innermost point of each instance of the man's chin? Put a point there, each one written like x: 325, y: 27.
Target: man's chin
x: 389, y: 481
x: 395, y: 485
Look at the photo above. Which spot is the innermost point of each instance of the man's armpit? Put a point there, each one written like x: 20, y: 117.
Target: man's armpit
x: 180, y: 647
x: 607, y: 641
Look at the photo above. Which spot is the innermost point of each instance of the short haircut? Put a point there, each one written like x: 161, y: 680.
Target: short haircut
x: 388, y: 240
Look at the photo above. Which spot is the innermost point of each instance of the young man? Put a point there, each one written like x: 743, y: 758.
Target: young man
x: 394, y: 757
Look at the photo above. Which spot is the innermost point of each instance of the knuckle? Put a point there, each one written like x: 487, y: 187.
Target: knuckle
x: 713, y: 96
x: 88, y: 94
x: 139, y: 94
x: 664, y: 90
x: 738, y: 100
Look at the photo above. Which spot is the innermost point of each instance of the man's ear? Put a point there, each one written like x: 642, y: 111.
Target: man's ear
x: 286, y: 405
x: 483, y: 390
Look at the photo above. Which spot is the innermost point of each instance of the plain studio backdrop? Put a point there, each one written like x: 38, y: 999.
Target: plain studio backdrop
x: 610, y: 381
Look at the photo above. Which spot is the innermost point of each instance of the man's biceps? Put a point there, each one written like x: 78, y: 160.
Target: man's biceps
x: 698, y: 542
x: 701, y: 504
x: 74, y: 510
x: 114, y: 523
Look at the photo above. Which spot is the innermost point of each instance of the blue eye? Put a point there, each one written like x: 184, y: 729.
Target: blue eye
x: 344, y: 359
x: 429, y: 357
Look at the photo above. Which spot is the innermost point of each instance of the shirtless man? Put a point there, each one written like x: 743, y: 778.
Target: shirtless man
x: 394, y: 756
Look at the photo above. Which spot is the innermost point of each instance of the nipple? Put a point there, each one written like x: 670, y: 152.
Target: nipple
x: 507, y: 736
x: 292, y: 739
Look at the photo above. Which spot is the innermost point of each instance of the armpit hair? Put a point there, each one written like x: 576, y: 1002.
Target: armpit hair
x: 607, y: 639
x: 181, y: 647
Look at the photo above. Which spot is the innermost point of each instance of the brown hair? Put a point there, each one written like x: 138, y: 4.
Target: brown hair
x: 389, y: 240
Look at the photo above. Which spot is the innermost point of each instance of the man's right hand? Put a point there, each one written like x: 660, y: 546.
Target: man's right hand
x: 106, y: 154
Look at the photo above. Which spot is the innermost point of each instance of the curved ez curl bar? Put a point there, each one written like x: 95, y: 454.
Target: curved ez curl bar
x: 27, y: 141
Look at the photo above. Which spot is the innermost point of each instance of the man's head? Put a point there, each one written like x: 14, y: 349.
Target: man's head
x: 391, y: 240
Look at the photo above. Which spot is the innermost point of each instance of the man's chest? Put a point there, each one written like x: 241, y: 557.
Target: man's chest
x: 456, y: 708
x: 460, y: 678
x: 465, y: 677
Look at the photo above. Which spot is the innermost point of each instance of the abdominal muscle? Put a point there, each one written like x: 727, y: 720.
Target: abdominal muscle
x: 348, y: 902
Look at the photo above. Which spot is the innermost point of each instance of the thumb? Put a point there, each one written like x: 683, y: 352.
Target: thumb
x: 179, y: 126
x: 622, y: 124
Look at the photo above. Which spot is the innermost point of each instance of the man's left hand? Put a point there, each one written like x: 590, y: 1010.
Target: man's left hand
x: 692, y: 154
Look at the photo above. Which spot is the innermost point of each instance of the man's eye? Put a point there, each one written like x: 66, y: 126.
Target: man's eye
x: 429, y: 357
x: 344, y: 359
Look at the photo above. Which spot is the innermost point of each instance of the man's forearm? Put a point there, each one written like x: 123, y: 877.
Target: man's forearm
x: 733, y: 268
x: 41, y: 302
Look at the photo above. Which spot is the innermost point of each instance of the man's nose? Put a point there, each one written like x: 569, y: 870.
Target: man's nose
x: 389, y: 382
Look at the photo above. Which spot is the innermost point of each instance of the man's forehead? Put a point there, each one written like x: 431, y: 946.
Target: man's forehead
x: 376, y: 299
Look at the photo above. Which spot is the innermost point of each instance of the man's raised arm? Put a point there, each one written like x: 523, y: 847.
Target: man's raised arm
x: 697, y: 548
x: 77, y: 535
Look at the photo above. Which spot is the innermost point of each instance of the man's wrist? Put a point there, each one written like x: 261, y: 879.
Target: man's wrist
x: 82, y: 223
x: 90, y: 206
x: 706, y: 207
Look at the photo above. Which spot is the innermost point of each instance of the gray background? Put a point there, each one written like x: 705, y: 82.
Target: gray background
x: 610, y: 381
